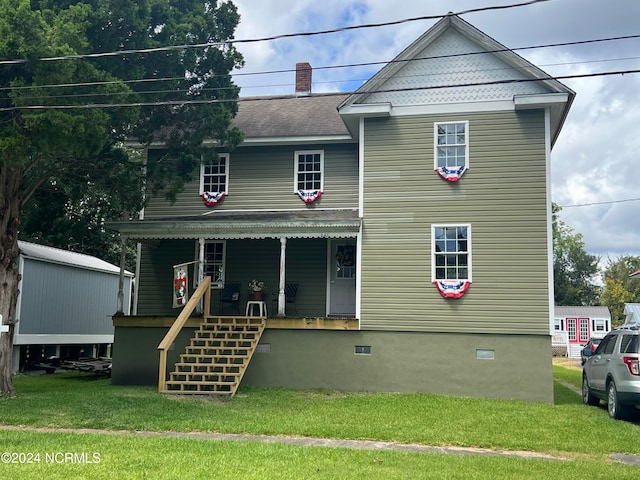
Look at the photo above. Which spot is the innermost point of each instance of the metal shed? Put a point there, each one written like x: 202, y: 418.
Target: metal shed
x: 65, y: 304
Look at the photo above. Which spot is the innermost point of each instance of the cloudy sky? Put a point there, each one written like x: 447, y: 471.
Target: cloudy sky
x: 596, y: 160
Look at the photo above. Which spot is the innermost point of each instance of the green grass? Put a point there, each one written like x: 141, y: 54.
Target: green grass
x: 566, y: 429
x: 568, y: 375
x: 169, y: 458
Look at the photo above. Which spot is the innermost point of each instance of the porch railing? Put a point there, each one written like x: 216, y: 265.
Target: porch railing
x: 203, y: 291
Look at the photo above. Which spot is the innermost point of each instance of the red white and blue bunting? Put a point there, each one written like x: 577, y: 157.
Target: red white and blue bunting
x: 212, y: 198
x: 451, y: 174
x: 309, y: 196
x: 452, y: 288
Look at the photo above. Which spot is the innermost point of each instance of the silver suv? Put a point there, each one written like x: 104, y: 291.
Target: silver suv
x: 612, y: 373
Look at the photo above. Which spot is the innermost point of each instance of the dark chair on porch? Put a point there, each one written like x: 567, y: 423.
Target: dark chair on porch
x: 230, y: 297
x: 290, y: 293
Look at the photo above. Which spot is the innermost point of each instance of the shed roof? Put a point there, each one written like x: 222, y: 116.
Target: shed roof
x: 65, y: 257
x: 583, y: 312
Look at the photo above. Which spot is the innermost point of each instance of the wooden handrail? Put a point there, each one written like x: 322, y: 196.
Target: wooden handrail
x: 203, y: 290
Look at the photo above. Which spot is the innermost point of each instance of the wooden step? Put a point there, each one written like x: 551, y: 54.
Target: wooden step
x: 181, y: 377
x: 207, y: 367
x: 210, y: 335
x: 222, y: 343
x: 215, y: 388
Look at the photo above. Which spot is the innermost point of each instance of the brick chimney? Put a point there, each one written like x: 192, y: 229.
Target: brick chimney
x: 303, y: 78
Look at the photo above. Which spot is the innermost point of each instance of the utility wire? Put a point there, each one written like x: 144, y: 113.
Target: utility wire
x: 232, y: 87
x: 353, y: 65
x: 600, y: 203
x: 265, y: 39
x: 281, y: 97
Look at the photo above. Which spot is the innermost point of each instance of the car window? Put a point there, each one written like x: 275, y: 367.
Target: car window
x: 603, y: 344
x: 629, y: 344
x: 608, y: 348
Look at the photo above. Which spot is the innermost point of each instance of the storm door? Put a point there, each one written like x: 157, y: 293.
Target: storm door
x: 342, y: 278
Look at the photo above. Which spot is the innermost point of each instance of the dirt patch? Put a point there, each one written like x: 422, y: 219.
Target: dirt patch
x: 573, y: 363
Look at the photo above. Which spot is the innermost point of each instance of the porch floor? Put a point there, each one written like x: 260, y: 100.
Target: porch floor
x: 295, y: 323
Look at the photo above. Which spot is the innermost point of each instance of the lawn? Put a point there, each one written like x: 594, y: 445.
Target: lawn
x: 566, y: 430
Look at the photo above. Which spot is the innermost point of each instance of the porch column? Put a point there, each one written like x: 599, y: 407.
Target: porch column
x: 123, y: 261
x: 281, y: 297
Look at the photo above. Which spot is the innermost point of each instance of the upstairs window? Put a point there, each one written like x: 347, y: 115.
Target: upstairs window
x: 214, y: 177
x: 309, y: 176
x: 451, y: 149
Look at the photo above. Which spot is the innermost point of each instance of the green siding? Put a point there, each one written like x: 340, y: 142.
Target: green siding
x: 502, y: 196
x: 155, y: 283
x: 262, y: 178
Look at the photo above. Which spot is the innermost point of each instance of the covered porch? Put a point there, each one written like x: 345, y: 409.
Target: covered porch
x: 314, y: 250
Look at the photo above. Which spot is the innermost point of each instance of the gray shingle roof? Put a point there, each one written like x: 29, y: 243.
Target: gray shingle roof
x: 313, y: 115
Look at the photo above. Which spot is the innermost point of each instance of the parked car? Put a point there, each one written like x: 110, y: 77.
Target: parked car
x: 589, y: 348
x: 612, y: 373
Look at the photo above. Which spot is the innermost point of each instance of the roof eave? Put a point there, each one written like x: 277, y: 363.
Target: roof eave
x: 183, y: 229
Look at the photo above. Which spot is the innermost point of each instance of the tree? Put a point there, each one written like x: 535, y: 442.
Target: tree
x: 619, y: 288
x: 71, y: 211
x: 574, y: 270
x: 50, y: 128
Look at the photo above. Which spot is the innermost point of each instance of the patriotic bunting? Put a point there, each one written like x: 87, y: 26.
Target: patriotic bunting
x: 452, y: 288
x: 212, y: 198
x: 309, y: 196
x: 451, y: 174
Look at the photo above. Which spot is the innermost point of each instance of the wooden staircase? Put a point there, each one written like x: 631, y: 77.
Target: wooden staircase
x: 217, y: 356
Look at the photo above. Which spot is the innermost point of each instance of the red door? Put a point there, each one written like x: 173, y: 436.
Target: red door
x: 578, y: 330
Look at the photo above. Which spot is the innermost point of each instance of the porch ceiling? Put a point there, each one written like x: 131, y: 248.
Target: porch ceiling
x: 310, y: 223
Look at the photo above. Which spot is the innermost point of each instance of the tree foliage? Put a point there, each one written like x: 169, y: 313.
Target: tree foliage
x: 619, y: 288
x: 574, y: 270
x: 52, y: 134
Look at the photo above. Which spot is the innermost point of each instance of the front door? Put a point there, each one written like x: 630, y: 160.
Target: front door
x: 578, y: 330
x: 342, y: 278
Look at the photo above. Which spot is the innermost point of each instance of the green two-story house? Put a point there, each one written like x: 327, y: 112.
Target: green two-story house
x: 413, y: 218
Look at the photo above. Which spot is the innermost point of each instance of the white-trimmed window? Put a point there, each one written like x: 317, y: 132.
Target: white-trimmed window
x: 451, y: 252
x: 309, y: 170
x: 558, y: 324
x: 213, y: 261
x: 451, y: 145
x: 600, y: 325
x: 214, y: 173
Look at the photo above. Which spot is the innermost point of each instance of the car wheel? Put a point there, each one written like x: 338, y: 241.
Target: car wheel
x: 616, y: 410
x: 587, y: 397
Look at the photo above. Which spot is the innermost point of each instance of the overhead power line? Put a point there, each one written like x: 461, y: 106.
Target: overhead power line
x: 600, y: 203
x: 264, y: 39
x: 278, y: 97
x: 352, y: 65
